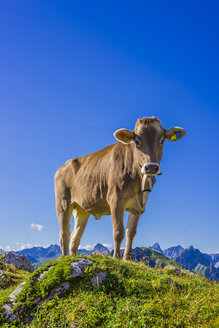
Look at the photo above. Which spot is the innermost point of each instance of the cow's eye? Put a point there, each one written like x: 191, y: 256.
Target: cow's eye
x: 137, y: 143
x: 162, y: 141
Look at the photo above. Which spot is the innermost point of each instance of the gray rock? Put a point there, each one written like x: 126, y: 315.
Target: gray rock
x: 84, y: 262
x: 96, y: 253
x: 99, y: 278
x: 18, y: 260
x: 7, y: 311
x: 2, y: 275
x: 59, y: 291
x: 170, y: 267
x: 13, y: 295
x: 8, y: 307
x: 78, y: 266
x: 189, y: 272
x: 77, y: 270
x: 41, y: 275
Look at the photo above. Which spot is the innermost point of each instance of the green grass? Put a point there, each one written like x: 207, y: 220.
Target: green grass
x: 133, y: 295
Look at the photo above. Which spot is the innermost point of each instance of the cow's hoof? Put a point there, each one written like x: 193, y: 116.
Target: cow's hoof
x: 72, y: 253
x: 127, y: 257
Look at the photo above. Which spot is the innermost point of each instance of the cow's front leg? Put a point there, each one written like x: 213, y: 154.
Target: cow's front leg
x: 81, y: 218
x: 130, y: 234
x: 117, y: 213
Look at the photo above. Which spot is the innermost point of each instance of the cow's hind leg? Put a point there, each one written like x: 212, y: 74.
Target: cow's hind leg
x: 64, y: 212
x: 81, y: 218
x: 130, y: 234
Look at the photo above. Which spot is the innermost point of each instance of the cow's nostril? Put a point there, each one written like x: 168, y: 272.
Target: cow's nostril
x: 152, y: 167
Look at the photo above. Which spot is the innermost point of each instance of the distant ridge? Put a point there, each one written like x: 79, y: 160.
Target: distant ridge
x: 173, y: 252
x: 37, y: 254
x: 205, y: 264
x: 40, y: 254
x: 194, y: 260
x: 191, y: 258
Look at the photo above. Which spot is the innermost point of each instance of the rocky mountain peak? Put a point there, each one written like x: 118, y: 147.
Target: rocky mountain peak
x: 173, y: 252
x: 100, y: 248
x: 190, y: 248
x: 156, y: 247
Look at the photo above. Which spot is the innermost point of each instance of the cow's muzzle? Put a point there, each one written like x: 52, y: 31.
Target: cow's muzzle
x: 151, y: 169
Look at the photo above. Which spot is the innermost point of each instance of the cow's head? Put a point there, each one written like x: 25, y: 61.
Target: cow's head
x: 148, y: 137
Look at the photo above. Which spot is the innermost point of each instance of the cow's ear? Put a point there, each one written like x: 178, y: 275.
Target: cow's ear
x: 124, y: 136
x: 175, y: 134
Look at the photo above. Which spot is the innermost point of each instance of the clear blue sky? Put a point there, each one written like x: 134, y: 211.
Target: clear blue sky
x: 72, y: 72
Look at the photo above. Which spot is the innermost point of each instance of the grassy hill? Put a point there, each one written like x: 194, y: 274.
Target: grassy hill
x: 152, y: 258
x: 133, y: 295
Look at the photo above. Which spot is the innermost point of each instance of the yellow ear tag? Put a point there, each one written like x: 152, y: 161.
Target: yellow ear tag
x: 173, y: 137
x: 126, y: 139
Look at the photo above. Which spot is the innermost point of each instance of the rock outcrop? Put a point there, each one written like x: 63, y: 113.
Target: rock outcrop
x: 99, y: 278
x: 2, y: 275
x: 78, y: 266
x: 78, y: 269
x: 18, y: 260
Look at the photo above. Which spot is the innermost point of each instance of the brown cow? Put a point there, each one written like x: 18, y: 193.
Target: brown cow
x: 112, y: 180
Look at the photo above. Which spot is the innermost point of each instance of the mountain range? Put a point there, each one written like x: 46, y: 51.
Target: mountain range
x: 40, y: 254
x: 191, y: 258
x: 178, y: 251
